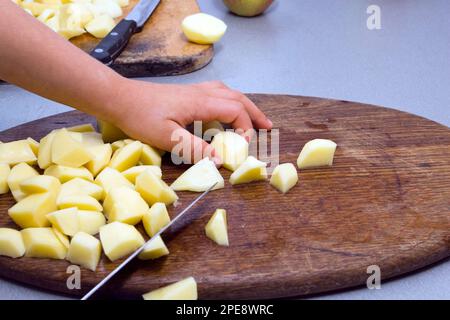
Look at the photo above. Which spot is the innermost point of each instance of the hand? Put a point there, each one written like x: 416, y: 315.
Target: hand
x: 152, y: 112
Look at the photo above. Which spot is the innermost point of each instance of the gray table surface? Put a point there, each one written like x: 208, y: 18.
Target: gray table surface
x: 316, y: 48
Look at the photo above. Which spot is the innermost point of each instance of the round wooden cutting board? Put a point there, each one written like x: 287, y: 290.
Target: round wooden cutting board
x: 385, y: 202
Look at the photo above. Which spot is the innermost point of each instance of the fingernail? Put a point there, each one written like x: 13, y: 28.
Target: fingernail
x: 270, y: 123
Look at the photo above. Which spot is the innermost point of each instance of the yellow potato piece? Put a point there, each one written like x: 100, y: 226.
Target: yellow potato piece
x: 316, y: 153
x: 203, y: 28
x: 231, y: 148
x: 125, y: 205
x: 155, y: 219
x: 43, y: 243
x: 284, y: 177
x: 32, y: 210
x: 111, y: 178
x: 216, y: 228
x: 90, y: 221
x: 4, y: 173
x: 34, y: 145
x: 82, y: 202
x: 19, y: 173
x: 117, y: 145
x: 154, y: 250
x: 185, y: 289
x: 39, y: 184
x: 90, y: 139
x: 101, y: 155
x: 16, y: 152
x: 64, y: 173
x: 210, y: 129
x: 100, y: 26
x: 67, y: 151
x: 250, y: 170
x: 199, y: 177
x: 62, y: 237
x: 126, y: 157
x: 37, y: 8
x: 65, y: 220
x: 11, y: 243
x: 84, y: 250
x: 85, y: 127
x: 80, y: 186
x: 150, y: 156
x: 45, y: 150
x: 120, y: 239
x: 153, y: 189
x: 110, y: 133
x: 132, y: 173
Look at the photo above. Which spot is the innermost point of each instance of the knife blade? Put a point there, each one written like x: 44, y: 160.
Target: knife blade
x: 113, y: 44
x: 134, y: 254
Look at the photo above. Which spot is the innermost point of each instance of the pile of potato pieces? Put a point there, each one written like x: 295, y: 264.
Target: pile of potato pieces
x: 71, y: 18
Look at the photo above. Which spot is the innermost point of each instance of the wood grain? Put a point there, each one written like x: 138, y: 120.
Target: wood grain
x: 160, y: 49
x: 386, y: 201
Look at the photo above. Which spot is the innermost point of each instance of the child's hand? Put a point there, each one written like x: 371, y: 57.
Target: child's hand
x: 152, y: 112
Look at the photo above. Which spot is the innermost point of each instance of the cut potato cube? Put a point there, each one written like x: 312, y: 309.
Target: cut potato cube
x: 132, y: 173
x: 46, y: 14
x: 16, y: 152
x: 155, y: 219
x: 62, y: 237
x: 82, y: 202
x: 19, y: 173
x: 216, y: 228
x: 316, y: 153
x: 45, y: 150
x: 110, y: 179
x: 91, y: 139
x: 80, y: 12
x: 90, y: 221
x: 78, y: 186
x: 64, y: 173
x: 199, y: 177
x: 154, y: 250
x: 123, y: 3
x: 100, y: 26
x: 150, y: 156
x: 39, y: 184
x: 110, y: 133
x: 32, y: 210
x: 67, y: 151
x: 4, y: 173
x: 182, y: 290
x: 153, y: 189
x: 231, y: 148
x: 250, y: 170
x: 120, y: 239
x: 37, y: 8
x: 210, y: 129
x: 65, y: 220
x: 107, y: 7
x: 85, y: 250
x: 126, y: 157
x: 43, y: 243
x: 116, y: 145
x: 203, y: 28
x: 34, y: 145
x: 11, y: 243
x: 101, y: 155
x: 85, y: 127
x: 284, y: 177
x: 125, y: 205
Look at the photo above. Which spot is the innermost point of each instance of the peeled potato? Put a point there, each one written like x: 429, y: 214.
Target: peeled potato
x: 80, y: 186
x: 16, y: 152
x: 82, y: 202
x: 284, y: 177
x: 155, y: 218
x: 120, y: 239
x: 110, y: 178
x: 39, y: 184
x: 84, y: 250
x: 203, y: 28
x: 4, y: 173
x: 250, y: 170
x: 65, y: 220
x: 126, y: 157
x: 182, y: 290
x: 216, y: 228
x: 125, y: 205
x: 67, y: 151
x: 154, y: 250
x: 150, y: 156
x: 45, y: 149
x: 90, y: 221
x: 100, y: 26
x: 43, y: 243
x: 64, y: 173
x: 199, y: 177
x: 132, y: 173
x: 85, y: 127
x: 153, y: 189
x: 101, y: 155
x: 231, y: 147
x: 110, y: 133
x: 19, y: 173
x: 11, y: 243
x: 32, y: 210
x: 316, y: 153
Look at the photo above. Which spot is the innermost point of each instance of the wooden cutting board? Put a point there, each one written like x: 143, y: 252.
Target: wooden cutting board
x: 160, y: 49
x: 385, y: 201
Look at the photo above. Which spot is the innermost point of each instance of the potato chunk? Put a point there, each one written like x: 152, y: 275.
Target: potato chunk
x: 125, y: 205
x: 16, y: 152
x: 90, y: 221
x: 155, y: 218
x: 19, y: 173
x: 82, y: 202
x: 110, y: 179
x: 182, y: 290
x: 153, y: 189
x: 32, y: 210
x: 39, y: 184
x: 150, y: 156
x: 284, y: 177
x: 43, y: 243
x: 199, y: 177
x: 34, y: 145
x: 68, y: 151
x: 85, y: 127
x: 100, y: 26
x: 126, y: 157
x: 101, y: 155
x: 216, y: 228
x: 154, y: 250
x: 45, y: 150
x: 120, y: 239
x: 316, y: 153
x: 11, y: 243
x: 85, y: 250
x: 110, y: 133
x: 64, y: 173
x: 79, y: 187
x: 132, y: 173
x: 231, y: 148
x: 203, y: 28
x: 65, y: 220
x: 250, y: 170
x: 4, y: 173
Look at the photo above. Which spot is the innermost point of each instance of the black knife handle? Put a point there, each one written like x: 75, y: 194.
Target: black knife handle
x: 112, y: 45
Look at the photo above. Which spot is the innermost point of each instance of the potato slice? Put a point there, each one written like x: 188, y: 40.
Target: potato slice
x: 65, y: 220
x: 154, y: 250
x: 120, y: 239
x: 216, y: 228
x: 4, y: 173
x: 80, y: 186
x: 155, y: 219
x: 231, y: 148
x: 101, y: 155
x: 284, y: 177
x: 34, y: 145
x: 250, y: 170
x: 150, y: 156
x: 199, y: 177
x: 11, y: 243
x: 43, y: 243
x: 19, y: 173
x: 203, y: 28
x: 45, y: 150
x: 100, y: 26
x: 126, y: 157
x: 64, y: 173
x: 16, y: 152
x: 82, y: 202
x: 39, y: 184
x: 67, y: 151
x: 110, y: 179
x: 185, y: 289
x: 153, y: 189
x: 316, y: 153
x: 125, y: 205
x: 85, y: 250
x: 133, y: 172
x: 90, y: 221
x: 32, y: 210
x: 85, y: 127
x: 110, y: 133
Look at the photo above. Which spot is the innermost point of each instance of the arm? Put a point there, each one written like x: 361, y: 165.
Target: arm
x: 42, y: 62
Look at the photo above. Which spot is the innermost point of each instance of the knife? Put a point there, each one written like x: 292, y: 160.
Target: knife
x: 112, y: 45
x: 132, y: 256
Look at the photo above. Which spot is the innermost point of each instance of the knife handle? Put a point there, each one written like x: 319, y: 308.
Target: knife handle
x: 112, y: 45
